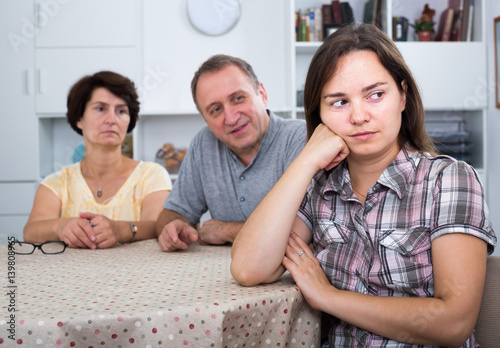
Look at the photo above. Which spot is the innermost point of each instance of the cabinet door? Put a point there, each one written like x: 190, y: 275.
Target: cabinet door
x: 86, y: 23
x: 58, y: 69
x: 12, y: 226
x: 14, y: 211
x: 18, y: 147
x: 17, y: 198
x: 451, y: 75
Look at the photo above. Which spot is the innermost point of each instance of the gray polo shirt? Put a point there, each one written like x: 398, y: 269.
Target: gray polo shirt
x: 212, y: 178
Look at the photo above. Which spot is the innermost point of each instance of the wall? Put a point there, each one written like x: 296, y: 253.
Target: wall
x: 173, y: 47
x: 492, y: 11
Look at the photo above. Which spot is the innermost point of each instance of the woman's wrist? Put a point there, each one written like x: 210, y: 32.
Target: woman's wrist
x: 125, y: 232
x: 133, y: 231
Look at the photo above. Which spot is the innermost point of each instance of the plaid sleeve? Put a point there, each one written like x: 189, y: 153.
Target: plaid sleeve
x: 305, y: 213
x: 460, y: 206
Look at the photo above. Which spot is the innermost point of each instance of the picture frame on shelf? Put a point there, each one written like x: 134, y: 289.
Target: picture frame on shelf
x: 497, y: 60
x: 329, y: 29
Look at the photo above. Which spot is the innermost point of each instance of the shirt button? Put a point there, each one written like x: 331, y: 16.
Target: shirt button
x: 409, y: 247
x: 242, y: 199
x: 242, y: 178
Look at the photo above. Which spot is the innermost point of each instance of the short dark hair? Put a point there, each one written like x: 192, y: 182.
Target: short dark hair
x: 217, y: 63
x: 359, y: 37
x: 81, y: 92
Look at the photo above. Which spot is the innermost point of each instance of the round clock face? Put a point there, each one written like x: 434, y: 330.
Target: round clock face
x: 213, y: 17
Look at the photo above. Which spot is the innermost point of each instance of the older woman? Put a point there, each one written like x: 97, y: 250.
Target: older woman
x: 106, y: 198
x: 400, y: 234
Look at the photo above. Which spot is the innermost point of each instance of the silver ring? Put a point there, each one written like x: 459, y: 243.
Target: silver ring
x: 301, y: 252
x: 91, y: 224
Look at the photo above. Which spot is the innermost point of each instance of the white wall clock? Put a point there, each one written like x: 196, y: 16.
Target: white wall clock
x: 213, y: 17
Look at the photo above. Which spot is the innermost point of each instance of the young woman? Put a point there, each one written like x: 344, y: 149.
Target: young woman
x: 400, y: 235
x: 106, y: 198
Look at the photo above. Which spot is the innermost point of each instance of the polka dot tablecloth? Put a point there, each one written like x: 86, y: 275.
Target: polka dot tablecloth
x: 135, y: 295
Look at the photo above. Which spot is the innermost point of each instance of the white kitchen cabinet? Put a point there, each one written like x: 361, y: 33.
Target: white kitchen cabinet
x: 18, y: 141
x: 89, y: 23
x: 15, y: 206
x: 57, y: 69
x: 18, y: 133
x: 77, y: 38
x: 12, y: 226
x: 451, y: 75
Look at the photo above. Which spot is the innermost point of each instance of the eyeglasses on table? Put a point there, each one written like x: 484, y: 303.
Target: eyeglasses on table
x: 49, y: 247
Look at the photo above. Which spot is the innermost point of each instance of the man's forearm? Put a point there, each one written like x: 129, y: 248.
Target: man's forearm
x: 233, y: 230
x: 219, y: 232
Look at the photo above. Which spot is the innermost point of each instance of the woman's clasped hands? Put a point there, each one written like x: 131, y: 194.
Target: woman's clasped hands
x: 91, y: 231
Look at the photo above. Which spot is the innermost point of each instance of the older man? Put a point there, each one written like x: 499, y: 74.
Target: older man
x: 233, y: 162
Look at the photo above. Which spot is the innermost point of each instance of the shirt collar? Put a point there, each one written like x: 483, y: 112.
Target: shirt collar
x: 271, y: 130
x: 399, y: 175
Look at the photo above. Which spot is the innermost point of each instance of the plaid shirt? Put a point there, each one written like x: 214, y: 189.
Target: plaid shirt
x: 384, y: 247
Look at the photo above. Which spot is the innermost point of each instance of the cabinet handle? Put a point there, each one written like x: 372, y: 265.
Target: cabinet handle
x: 41, y: 83
x: 37, y: 15
x: 27, y: 84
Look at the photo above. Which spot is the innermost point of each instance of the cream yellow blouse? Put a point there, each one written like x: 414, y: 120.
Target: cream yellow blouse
x: 75, y: 195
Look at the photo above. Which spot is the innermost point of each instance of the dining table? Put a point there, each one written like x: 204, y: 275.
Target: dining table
x: 136, y: 295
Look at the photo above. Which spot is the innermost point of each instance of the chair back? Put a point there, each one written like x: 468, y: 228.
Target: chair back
x: 488, y: 322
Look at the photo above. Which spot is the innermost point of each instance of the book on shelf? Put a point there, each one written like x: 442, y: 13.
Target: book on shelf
x: 308, y: 26
x: 303, y: 28
x: 377, y: 14
x: 328, y: 25
x: 456, y: 4
x: 312, y: 25
x: 467, y: 20
x: 383, y: 16
x: 347, y: 13
x: 336, y: 12
x: 326, y: 11
x: 458, y: 7
x: 368, y: 11
x: 445, y: 25
x: 400, y: 28
x: 297, y: 36
x: 374, y: 13
x: 315, y: 23
x: 318, y: 24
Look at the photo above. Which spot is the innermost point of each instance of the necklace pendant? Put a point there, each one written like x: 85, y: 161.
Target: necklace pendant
x: 99, y: 192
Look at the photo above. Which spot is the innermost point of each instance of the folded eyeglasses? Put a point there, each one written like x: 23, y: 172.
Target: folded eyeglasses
x: 49, y: 247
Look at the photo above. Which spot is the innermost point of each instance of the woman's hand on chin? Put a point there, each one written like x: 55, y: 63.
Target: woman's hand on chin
x: 325, y: 148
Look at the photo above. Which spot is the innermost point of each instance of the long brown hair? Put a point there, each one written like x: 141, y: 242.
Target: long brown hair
x: 358, y: 37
